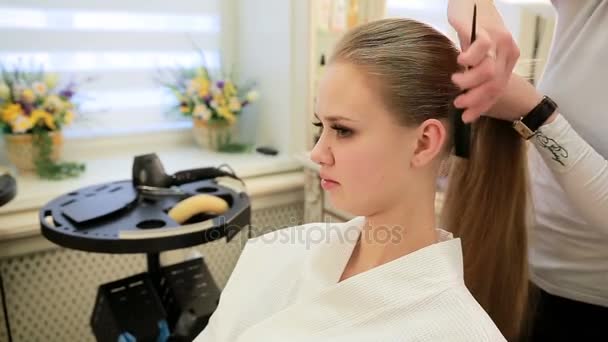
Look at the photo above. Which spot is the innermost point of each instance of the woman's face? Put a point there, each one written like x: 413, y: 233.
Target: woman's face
x: 361, y: 148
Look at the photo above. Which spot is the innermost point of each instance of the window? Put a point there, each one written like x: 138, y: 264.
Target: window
x: 432, y: 12
x: 117, y: 44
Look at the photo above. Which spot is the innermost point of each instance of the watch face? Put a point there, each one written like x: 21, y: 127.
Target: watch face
x: 522, y: 129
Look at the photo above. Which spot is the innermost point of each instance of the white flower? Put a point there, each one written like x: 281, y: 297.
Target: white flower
x: 252, y: 96
x: 21, y: 124
x: 53, y: 104
x: 39, y: 88
x: 202, y: 112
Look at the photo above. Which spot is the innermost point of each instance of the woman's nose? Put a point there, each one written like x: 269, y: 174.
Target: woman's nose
x: 321, y: 153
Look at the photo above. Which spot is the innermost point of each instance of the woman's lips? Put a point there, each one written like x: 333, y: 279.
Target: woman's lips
x: 328, y: 184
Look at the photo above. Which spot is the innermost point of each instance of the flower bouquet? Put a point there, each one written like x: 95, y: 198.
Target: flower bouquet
x: 214, y: 104
x: 33, y: 110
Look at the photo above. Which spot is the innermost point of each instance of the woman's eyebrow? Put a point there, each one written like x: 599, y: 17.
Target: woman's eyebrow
x: 335, y: 118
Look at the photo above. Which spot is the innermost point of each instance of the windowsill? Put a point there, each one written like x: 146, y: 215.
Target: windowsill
x: 110, y: 159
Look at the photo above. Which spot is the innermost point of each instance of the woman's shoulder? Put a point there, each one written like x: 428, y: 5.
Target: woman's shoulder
x: 463, y: 318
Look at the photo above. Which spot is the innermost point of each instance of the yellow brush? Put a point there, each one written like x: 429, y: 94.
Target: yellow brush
x: 198, y: 204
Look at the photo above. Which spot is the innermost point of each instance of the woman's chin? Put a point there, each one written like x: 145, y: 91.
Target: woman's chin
x: 336, y: 201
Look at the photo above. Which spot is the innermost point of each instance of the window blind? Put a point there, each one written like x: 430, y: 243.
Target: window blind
x: 115, y: 47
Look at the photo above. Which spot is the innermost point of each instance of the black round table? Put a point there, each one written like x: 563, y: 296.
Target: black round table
x: 114, y: 218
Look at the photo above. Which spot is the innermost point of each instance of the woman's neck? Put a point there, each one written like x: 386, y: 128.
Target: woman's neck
x: 392, y: 234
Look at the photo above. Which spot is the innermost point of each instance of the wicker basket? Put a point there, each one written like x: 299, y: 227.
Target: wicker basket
x: 212, y: 136
x: 21, y: 151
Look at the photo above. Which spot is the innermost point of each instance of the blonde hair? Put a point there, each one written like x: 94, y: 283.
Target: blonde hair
x: 411, y: 64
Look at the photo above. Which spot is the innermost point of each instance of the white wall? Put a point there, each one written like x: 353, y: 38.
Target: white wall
x: 271, y: 42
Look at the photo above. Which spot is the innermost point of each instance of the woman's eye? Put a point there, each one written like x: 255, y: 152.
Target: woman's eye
x: 342, y: 131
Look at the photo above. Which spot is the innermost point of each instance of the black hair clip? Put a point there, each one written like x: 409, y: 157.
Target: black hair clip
x: 462, y: 131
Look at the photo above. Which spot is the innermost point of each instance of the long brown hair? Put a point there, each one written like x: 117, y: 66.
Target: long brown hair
x: 485, y: 204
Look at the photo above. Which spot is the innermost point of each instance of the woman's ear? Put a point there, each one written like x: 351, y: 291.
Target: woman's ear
x: 430, y: 138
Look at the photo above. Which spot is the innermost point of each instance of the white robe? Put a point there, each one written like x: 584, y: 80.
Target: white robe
x: 285, y: 287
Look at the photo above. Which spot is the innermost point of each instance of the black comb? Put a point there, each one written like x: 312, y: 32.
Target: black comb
x: 462, y: 131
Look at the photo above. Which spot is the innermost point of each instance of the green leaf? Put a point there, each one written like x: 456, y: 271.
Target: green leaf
x: 233, y: 147
x: 46, y: 168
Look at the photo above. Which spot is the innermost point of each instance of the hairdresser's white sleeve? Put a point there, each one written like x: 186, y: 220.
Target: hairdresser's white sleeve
x: 581, y: 171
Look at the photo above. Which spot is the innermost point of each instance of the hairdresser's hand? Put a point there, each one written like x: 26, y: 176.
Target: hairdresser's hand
x: 491, y: 57
x: 518, y: 99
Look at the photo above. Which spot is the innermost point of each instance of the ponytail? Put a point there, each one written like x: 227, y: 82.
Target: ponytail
x: 485, y: 205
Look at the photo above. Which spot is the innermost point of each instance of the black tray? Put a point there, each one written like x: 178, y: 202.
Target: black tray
x: 113, y: 218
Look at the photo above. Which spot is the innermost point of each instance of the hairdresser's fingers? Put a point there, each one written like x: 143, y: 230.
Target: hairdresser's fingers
x: 460, y: 19
x: 478, y: 51
x: 476, y: 76
x: 477, y: 100
x: 474, y: 113
x: 507, y: 52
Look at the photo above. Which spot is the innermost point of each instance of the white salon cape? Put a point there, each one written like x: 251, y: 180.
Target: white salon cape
x: 285, y: 287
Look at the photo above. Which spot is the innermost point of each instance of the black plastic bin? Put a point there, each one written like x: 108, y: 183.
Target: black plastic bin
x: 189, y: 296
x: 128, y: 306
x: 178, y: 310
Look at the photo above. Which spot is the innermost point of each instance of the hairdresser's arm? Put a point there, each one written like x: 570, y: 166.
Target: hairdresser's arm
x: 494, y: 49
x: 581, y: 171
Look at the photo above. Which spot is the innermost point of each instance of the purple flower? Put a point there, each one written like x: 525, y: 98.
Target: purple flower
x: 220, y: 84
x: 27, y: 107
x: 208, y: 98
x: 67, y: 93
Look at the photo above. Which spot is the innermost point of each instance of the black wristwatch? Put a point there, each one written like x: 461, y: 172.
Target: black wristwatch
x: 527, y: 125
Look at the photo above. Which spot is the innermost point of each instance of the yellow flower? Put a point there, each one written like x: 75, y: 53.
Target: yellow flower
x: 28, y: 95
x: 184, y: 109
x: 47, y: 118
x: 219, y: 99
x: 21, y: 124
x: 199, y: 86
x: 68, y: 117
x: 235, y: 105
x: 203, y: 92
x: 4, y: 91
x: 229, y: 89
x: 226, y: 114
x: 39, y: 88
x: 11, y: 112
x: 51, y: 80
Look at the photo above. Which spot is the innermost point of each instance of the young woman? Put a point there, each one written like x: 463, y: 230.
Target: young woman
x: 384, y: 107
